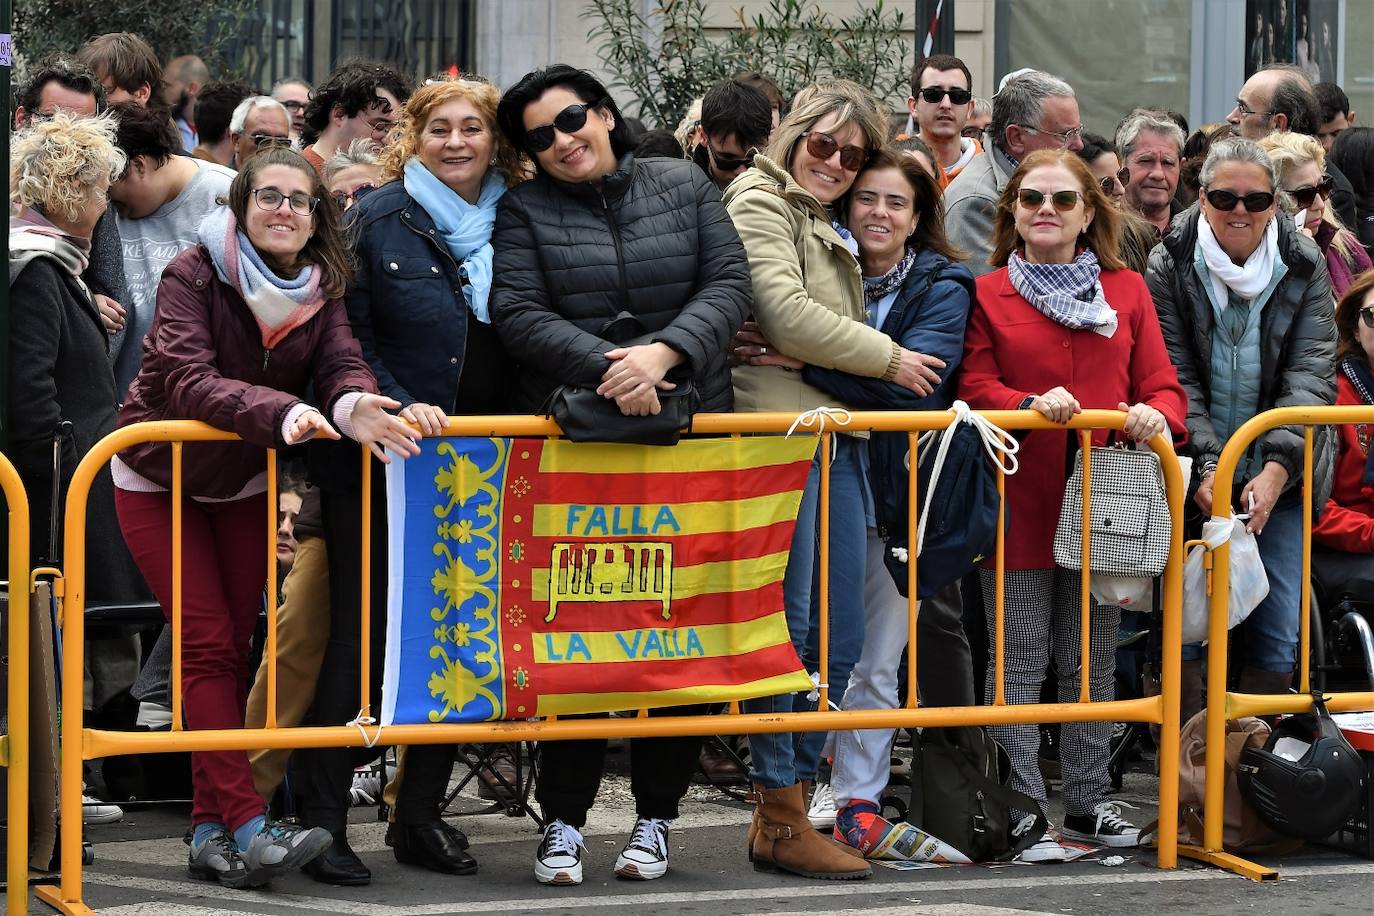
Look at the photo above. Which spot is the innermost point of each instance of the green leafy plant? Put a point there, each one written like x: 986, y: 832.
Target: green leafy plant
x: 668, y: 58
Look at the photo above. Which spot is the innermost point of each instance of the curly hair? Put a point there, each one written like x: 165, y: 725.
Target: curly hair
x: 1103, y: 235
x: 56, y: 162
x: 484, y: 97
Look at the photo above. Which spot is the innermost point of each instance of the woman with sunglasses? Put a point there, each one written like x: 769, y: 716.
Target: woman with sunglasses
x: 1245, y: 304
x: 599, y: 238
x: 1306, y: 194
x: 246, y: 321
x: 351, y: 173
x: 1062, y: 326
x: 809, y: 305
x: 420, y: 305
x: 1343, y: 538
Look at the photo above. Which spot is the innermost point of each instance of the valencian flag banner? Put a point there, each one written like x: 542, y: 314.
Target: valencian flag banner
x: 533, y: 577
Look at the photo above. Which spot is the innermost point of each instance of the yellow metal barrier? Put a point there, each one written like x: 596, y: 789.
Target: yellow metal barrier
x: 14, y: 753
x: 1222, y: 705
x: 80, y: 743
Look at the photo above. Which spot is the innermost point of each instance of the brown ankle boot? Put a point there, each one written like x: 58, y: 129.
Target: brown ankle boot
x: 786, y: 840
x: 1192, y: 685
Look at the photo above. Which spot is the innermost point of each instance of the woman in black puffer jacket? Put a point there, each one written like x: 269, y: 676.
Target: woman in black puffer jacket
x: 596, y: 234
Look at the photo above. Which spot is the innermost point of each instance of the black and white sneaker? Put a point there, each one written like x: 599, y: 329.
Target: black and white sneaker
x: 217, y: 859
x: 645, y: 856
x: 1046, y: 849
x: 559, y: 859
x: 1105, y: 825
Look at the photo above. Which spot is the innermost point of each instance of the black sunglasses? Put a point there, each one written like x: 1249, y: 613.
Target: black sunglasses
x: 1367, y: 316
x: 342, y: 197
x: 932, y: 95
x: 569, y: 121
x: 1304, y: 197
x: 1032, y: 199
x: 823, y: 146
x: 1225, y: 201
x: 730, y: 163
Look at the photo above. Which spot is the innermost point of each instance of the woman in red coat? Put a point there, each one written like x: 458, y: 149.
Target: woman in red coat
x: 1063, y: 326
x: 1343, y: 555
x: 245, y: 321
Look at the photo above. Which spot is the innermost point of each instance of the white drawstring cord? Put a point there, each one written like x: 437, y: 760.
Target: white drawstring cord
x: 360, y: 722
x: 817, y: 416
x: 999, y: 445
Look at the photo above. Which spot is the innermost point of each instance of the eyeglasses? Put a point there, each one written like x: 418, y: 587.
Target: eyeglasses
x: 292, y: 105
x: 1225, y: 201
x: 1304, y: 197
x: 1032, y: 199
x: 568, y: 121
x: 342, y: 197
x: 1064, y: 138
x: 381, y: 126
x: 1367, y: 316
x: 270, y: 199
x: 731, y: 163
x: 972, y: 132
x: 823, y: 146
x: 933, y: 94
x: 1245, y: 110
x: 270, y: 141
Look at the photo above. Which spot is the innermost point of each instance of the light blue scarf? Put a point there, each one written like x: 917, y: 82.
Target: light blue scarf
x: 466, y: 227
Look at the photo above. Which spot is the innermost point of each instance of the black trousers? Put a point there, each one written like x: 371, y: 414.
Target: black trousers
x: 660, y: 771
x: 323, y: 775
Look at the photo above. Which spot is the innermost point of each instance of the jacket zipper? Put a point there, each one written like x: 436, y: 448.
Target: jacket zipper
x: 619, y: 252
x: 444, y: 252
x: 266, y: 356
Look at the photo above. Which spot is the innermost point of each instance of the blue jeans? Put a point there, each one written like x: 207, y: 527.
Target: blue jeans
x: 1271, y: 630
x: 781, y: 759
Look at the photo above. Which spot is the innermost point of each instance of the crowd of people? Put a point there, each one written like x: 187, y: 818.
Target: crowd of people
x: 363, y: 259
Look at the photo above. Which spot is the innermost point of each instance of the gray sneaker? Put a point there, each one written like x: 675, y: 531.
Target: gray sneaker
x: 217, y: 859
x: 280, y: 847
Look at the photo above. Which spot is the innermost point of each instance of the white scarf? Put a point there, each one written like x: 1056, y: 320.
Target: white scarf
x: 1246, y: 281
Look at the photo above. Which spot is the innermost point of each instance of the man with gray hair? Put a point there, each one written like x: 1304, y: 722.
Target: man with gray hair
x: 1031, y: 111
x: 1150, y: 146
x: 260, y: 122
x: 1280, y: 97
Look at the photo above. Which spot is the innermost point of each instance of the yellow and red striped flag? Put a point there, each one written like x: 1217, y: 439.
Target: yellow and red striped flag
x: 534, y: 577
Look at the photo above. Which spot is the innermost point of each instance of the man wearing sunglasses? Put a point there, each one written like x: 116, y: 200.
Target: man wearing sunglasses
x: 361, y: 100
x: 736, y: 120
x: 1032, y: 110
x: 1150, y: 146
x: 260, y: 122
x: 940, y: 104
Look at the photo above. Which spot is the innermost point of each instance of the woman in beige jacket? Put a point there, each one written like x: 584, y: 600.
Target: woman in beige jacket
x: 809, y: 305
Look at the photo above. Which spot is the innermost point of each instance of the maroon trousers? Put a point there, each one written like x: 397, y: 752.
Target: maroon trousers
x: 224, y: 570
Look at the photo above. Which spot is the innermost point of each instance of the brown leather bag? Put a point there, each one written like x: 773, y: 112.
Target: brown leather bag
x: 1243, y: 830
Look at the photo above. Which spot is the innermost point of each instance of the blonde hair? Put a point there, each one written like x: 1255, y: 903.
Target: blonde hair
x: 849, y: 101
x: 416, y: 113
x: 686, y: 132
x: 1289, y: 151
x: 56, y: 162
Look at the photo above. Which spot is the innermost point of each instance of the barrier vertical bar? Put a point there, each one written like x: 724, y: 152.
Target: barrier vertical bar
x: 1085, y: 576
x: 913, y: 444
x: 21, y: 600
x: 71, y: 701
x: 998, y: 596
x: 1217, y: 698
x: 273, y: 502
x: 1171, y: 674
x: 365, y: 667
x: 176, y: 586
x: 1304, y: 615
x: 823, y: 703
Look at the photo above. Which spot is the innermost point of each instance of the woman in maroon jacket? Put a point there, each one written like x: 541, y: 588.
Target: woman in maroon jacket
x: 245, y: 322
x: 1343, y: 558
x: 1061, y: 327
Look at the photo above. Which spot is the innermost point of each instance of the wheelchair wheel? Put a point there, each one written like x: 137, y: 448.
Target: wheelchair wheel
x: 1318, y: 656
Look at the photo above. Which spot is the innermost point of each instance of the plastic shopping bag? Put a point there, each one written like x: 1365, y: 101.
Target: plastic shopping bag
x: 1130, y: 592
x: 1249, y: 583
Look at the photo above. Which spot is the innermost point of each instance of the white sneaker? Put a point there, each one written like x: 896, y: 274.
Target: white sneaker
x: 1105, y: 825
x: 645, y: 856
x: 95, y: 811
x: 559, y: 859
x: 367, y: 784
x: 1045, y: 849
x: 822, y: 811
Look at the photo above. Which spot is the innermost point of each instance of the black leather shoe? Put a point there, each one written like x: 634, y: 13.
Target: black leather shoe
x: 459, y: 836
x: 339, y: 865
x: 431, y: 845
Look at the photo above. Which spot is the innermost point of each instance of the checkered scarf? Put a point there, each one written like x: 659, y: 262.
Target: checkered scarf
x: 1070, y: 294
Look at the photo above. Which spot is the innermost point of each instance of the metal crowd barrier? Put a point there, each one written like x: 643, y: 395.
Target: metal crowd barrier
x: 14, y: 746
x: 1223, y: 705
x: 80, y: 743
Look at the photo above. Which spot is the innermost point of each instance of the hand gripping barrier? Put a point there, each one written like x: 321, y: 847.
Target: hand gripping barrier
x: 80, y: 743
x: 14, y: 747
x: 1222, y: 705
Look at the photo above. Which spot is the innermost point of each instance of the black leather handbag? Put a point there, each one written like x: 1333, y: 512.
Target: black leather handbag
x: 585, y: 416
